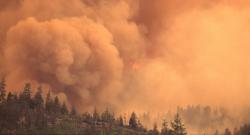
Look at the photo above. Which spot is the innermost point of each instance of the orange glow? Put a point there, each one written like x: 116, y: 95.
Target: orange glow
x: 183, y: 52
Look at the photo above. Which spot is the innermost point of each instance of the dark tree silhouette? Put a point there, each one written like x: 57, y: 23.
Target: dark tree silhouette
x: 56, y: 106
x: 177, y: 126
x: 164, y: 129
x: 49, y: 103
x: 38, y: 99
x: 120, y: 121
x: 133, y: 121
x: 107, y: 116
x: 64, y: 109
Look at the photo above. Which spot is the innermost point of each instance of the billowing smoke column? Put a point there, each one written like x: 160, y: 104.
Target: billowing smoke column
x: 73, y: 55
x: 129, y: 54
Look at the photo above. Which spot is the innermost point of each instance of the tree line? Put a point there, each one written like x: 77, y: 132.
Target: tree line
x: 23, y: 113
x: 243, y: 130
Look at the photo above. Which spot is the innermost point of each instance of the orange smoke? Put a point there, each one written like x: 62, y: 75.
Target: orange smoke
x: 183, y: 52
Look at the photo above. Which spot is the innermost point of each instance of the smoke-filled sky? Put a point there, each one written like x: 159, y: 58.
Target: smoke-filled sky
x: 129, y: 54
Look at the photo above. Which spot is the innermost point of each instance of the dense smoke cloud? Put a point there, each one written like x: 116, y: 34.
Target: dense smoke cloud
x: 129, y: 54
x: 74, y: 55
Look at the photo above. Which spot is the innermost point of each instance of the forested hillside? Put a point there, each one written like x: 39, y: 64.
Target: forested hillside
x: 26, y: 114
x: 23, y: 113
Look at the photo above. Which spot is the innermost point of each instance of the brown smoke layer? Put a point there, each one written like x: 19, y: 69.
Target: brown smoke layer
x: 129, y: 54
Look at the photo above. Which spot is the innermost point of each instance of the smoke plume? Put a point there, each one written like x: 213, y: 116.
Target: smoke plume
x: 129, y: 54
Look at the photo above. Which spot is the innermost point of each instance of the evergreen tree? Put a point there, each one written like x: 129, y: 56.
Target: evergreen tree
x: 64, y: 109
x: 107, y: 116
x: 56, y: 105
x: 26, y: 95
x: 48, y: 103
x: 133, y: 121
x: 39, y: 120
x: 2, y: 90
x: 38, y: 99
x: 120, y: 121
x: 164, y: 130
x: 154, y: 131
x: 178, y: 126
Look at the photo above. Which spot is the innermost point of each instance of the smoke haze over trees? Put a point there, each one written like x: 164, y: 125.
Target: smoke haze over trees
x: 87, y: 50
x: 142, y: 56
x: 25, y: 114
